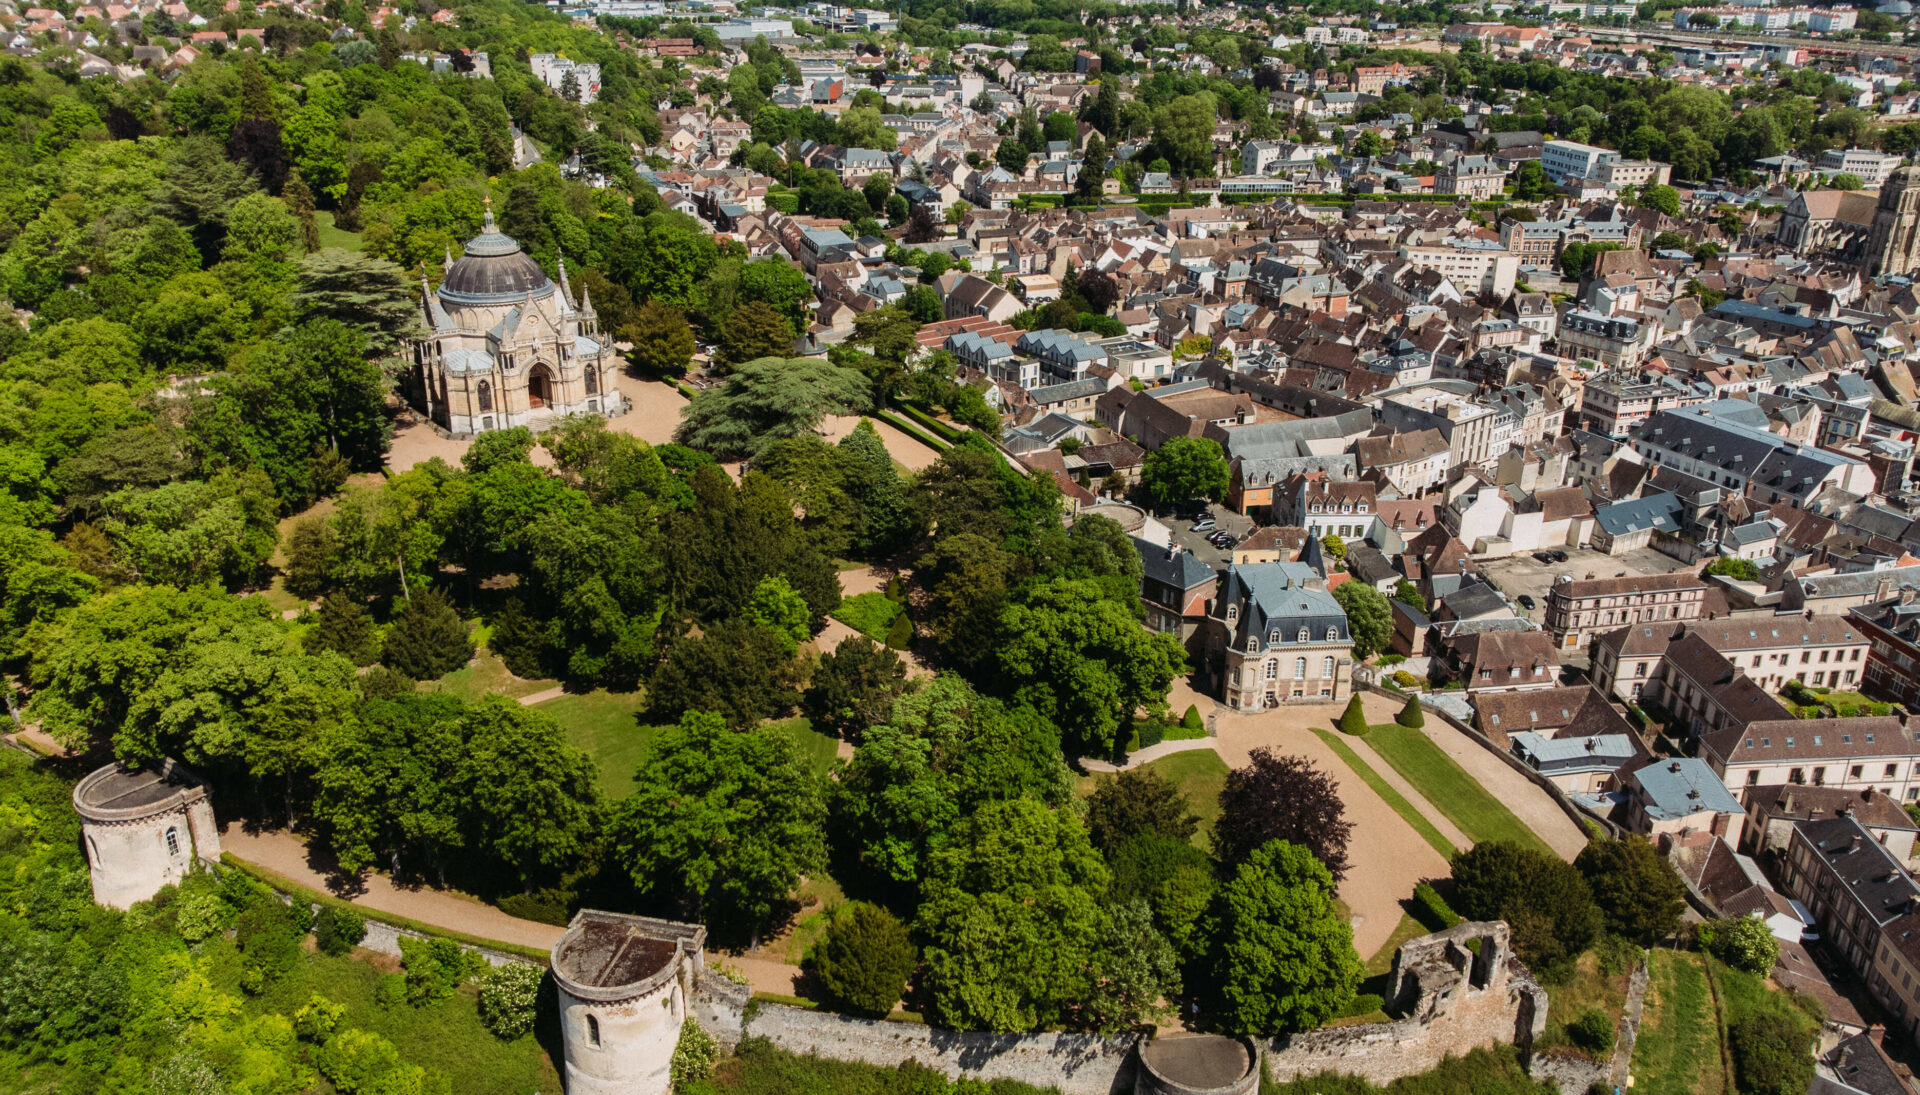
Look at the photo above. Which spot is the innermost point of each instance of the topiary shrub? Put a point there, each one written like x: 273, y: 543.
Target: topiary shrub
x: 896, y: 590
x: 337, y: 931
x: 1411, y: 716
x: 1191, y: 720
x: 900, y: 635
x: 1405, y: 679
x: 1592, y: 1031
x: 1354, y: 719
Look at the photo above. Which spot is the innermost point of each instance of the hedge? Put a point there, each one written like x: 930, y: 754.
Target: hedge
x: 1432, y: 910
x: 911, y: 430
x: 1365, y: 1003
x: 918, y: 415
x: 294, y: 889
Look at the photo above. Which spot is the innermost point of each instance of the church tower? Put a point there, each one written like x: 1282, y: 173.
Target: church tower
x: 1895, y: 237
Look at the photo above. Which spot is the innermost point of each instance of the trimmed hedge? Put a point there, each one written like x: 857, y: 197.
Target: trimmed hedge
x: 1353, y: 721
x: 1411, y: 716
x: 940, y: 428
x: 1432, y: 910
x: 911, y: 430
x: 1365, y: 1003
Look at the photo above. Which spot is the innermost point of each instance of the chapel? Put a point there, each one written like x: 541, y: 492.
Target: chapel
x: 505, y: 346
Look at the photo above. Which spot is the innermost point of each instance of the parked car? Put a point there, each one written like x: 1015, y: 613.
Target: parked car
x: 1204, y: 524
x: 1526, y: 602
x: 1543, y: 556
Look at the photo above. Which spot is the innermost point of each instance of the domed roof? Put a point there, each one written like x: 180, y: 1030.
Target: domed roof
x: 493, y: 270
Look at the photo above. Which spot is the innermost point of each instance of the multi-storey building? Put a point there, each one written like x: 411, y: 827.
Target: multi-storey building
x: 1870, y: 167
x: 1852, y: 753
x: 1613, y: 341
x: 1477, y: 178
x: 1474, y: 431
x: 1892, y: 627
x: 1327, y: 507
x: 1275, y: 635
x: 1474, y: 266
x: 1728, y: 443
x: 1578, y: 610
x: 1564, y: 160
x: 1613, y: 403
x: 1857, y: 891
x: 1823, y: 651
x: 1618, y: 173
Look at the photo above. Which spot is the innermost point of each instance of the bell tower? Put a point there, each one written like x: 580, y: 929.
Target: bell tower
x: 1895, y: 235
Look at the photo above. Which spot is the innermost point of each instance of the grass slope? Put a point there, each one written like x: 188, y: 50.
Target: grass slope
x: 1200, y: 774
x: 1448, y: 786
x: 607, y: 727
x: 1385, y: 790
x: 1678, y: 1051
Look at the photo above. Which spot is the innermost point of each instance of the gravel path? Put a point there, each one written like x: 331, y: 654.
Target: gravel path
x: 279, y: 852
x: 1519, y: 794
x: 1387, y: 857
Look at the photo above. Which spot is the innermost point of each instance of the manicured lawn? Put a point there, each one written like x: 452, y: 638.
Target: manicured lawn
x: 1678, y: 1051
x: 819, y: 750
x: 1385, y: 790
x: 1382, y: 961
x: 1200, y: 774
x: 871, y: 614
x: 336, y: 237
x: 1448, y: 786
x: 607, y: 727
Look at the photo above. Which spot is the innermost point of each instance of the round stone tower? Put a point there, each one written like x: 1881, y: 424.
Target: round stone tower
x: 143, y: 829
x: 1201, y: 1064
x: 625, y: 983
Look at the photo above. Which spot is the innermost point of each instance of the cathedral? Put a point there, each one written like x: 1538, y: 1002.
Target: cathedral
x: 506, y: 347
x: 1893, y: 244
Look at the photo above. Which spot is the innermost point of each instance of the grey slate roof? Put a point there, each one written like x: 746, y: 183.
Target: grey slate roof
x: 1658, y: 511
x: 1683, y: 786
x: 1276, y: 605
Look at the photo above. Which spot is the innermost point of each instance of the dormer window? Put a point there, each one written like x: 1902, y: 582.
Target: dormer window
x: 1303, y: 634
x: 1233, y: 612
x: 1363, y: 507
x: 1333, y: 634
x: 1253, y: 644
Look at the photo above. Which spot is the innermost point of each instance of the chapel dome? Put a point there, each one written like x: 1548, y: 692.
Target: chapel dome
x: 493, y: 270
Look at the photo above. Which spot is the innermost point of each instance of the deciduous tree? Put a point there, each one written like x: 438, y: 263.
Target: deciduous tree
x: 1282, y: 798
x: 1283, y: 956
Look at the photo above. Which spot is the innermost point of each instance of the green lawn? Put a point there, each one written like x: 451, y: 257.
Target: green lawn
x: 336, y: 237
x: 1448, y: 786
x: 1588, y: 988
x: 1385, y: 790
x: 1200, y: 774
x: 607, y: 726
x: 1678, y: 1051
x: 871, y: 614
x: 485, y: 677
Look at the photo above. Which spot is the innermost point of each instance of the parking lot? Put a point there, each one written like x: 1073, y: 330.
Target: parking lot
x: 1196, y: 542
x: 1525, y: 575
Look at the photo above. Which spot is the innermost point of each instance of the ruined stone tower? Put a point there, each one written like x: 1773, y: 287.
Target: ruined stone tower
x: 624, y: 985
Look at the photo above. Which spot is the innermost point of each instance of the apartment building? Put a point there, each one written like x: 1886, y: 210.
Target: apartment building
x: 1473, y: 265
x: 1475, y: 432
x: 1856, y: 890
x: 1869, y: 166
x: 1579, y: 610
x: 1892, y: 627
x: 1563, y: 160
x: 1825, y: 651
x: 1613, y: 403
x: 1615, y: 174
x: 1326, y: 507
x: 1613, y: 341
x: 1852, y: 753
x: 1728, y: 443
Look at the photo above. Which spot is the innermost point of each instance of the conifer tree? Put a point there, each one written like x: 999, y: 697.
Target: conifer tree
x: 344, y: 627
x: 428, y: 639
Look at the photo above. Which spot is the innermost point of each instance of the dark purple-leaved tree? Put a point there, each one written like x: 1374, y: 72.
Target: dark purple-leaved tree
x: 1282, y: 798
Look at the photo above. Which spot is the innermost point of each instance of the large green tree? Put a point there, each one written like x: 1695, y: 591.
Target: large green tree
x: 1011, y: 919
x: 721, y: 824
x: 1283, y: 957
x: 1186, y: 468
x: 1637, y: 890
x: 1083, y: 660
x: 1369, y: 617
x: 768, y: 400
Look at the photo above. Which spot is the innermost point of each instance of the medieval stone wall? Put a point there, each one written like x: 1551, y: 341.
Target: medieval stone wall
x: 1456, y: 990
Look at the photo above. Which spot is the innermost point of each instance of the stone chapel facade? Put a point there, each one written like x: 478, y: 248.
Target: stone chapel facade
x: 504, y: 346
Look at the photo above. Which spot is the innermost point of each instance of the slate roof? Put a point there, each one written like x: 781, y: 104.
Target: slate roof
x: 1660, y: 512
x: 1277, y: 600
x: 1680, y: 787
